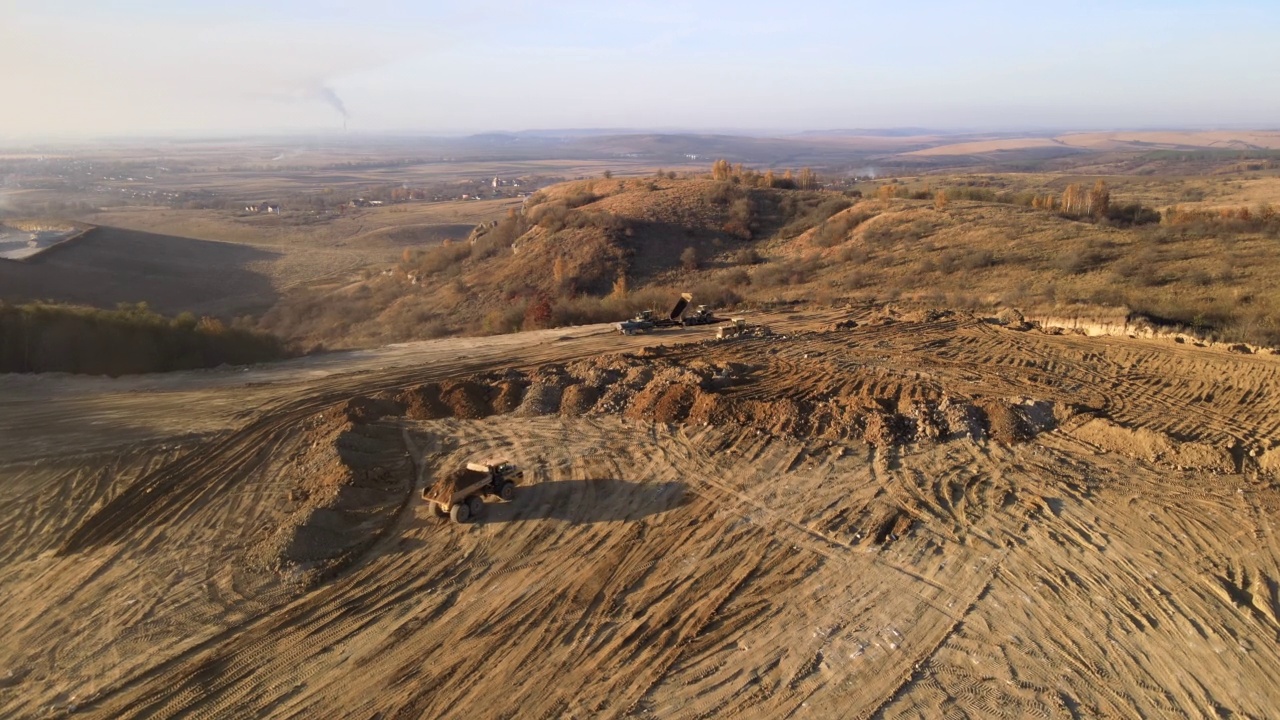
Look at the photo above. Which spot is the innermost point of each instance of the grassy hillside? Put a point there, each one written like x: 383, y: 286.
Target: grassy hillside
x: 596, y: 250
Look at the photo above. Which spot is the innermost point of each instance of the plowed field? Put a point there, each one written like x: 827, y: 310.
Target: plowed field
x: 934, y: 518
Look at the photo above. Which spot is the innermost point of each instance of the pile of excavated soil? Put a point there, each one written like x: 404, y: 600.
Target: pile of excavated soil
x: 423, y: 402
x: 1155, y: 447
x: 578, y: 400
x: 507, y: 395
x: 658, y: 385
x: 347, y: 481
x: 963, y: 419
x: 444, y: 487
x: 1006, y: 422
x: 466, y: 399
x: 540, y: 399
x: 363, y: 409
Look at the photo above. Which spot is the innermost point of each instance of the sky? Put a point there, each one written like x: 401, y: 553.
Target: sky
x: 81, y: 68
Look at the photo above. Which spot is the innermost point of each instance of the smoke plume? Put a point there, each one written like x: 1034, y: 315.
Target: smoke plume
x: 327, y: 94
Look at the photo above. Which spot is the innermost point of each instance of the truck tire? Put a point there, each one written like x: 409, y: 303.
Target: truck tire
x: 507, y: 492
x: 460, y: 513
x: 475, y: 505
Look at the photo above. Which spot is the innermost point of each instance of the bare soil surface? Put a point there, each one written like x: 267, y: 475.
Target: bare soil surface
x: 942, y: 518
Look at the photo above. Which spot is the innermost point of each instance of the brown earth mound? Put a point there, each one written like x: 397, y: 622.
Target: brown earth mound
x: 659, y: 385
x: 466, y: 399
x: 1006, y: 422
x: 507, y: 395
x: 423, y: 402
x: 347, y: 484
x: 1155, y: 447
x: 540, y: 399
x: 578, y: 399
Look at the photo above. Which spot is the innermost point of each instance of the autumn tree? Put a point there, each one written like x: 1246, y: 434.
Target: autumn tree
x: 538, y: 315
x: 721, y: 170
x: 1074, y: 200
x: 1100, y: 199
x: 807, y: 180
x: 940, y: 199
x: 559, y: 270
x: 621, y: 286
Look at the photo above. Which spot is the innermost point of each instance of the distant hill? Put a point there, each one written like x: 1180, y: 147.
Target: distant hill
x: 171, y: 274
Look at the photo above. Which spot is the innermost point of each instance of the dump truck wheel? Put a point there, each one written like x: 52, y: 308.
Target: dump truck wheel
x: 460, y: 513
x: 508, y: 491
x: 475, y: 504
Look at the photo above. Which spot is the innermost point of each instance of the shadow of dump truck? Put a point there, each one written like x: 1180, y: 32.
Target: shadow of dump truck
x: 587, y: 501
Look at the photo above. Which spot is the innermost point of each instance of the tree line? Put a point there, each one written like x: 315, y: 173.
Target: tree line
x: 42, y: 337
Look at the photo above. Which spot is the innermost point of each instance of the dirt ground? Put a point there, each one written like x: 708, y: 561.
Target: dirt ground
x: 933, y: 517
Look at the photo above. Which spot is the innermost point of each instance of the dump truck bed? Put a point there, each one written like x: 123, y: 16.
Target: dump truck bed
x: 681, y: 304
x: 458, y: 485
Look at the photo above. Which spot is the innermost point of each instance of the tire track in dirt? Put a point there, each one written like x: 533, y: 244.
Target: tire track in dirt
x: 685, y: 571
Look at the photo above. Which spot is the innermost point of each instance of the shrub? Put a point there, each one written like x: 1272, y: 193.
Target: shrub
x: 1081, y: 261
x: 747, y: 256
x: 1131, y: 214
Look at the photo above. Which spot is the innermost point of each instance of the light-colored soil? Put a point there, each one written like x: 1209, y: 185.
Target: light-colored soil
x: 908, y: 519
x: 987, y: 146
x: 1110, y: 141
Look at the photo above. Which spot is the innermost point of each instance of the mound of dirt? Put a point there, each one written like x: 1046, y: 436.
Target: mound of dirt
x: 674, y: 404
x: 963, y: 419
x: 423, y: 402
x: 507, y: 395
x: 886, y: 429
x: 1155, y: 447
x: 1269, y: 461
x: 930, y: 423
x: 540, y: 399
x: 466, y: 399
x: 347, y: 484
x: 578, y: 399
x: 363, y: 409
x: 1006, y: 422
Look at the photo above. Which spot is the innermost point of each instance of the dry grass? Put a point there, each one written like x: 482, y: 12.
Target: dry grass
x: 580, y: 237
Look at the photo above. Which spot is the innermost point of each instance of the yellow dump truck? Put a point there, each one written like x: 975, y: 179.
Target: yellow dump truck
x: 460, y: 494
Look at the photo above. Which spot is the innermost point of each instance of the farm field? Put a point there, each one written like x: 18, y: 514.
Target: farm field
x: 916, y: 516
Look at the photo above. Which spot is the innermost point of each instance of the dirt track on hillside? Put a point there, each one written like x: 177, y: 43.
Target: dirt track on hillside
x: 934, y: 519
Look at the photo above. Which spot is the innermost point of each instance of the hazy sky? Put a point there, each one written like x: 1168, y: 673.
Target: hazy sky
x: 134, y: 67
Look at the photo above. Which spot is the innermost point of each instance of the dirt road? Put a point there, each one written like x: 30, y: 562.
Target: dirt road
x: 907, y: 519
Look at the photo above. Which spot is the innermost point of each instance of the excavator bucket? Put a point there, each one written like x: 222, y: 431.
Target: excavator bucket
x: 681, y: 304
